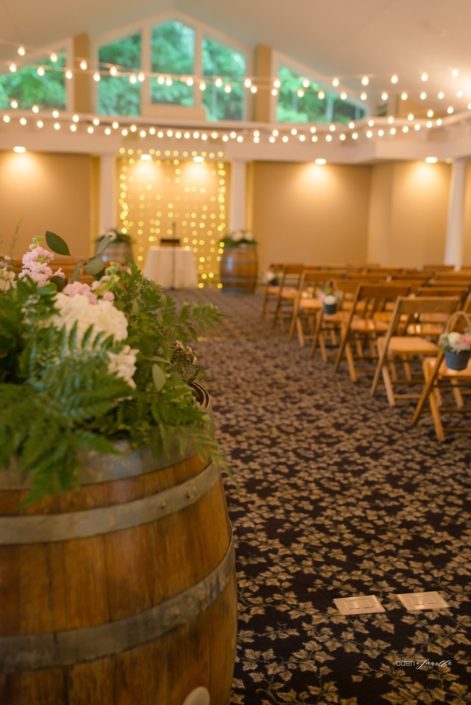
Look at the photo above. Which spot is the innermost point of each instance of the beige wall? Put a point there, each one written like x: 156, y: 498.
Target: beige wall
x: 47, y: 192
x: 408, y: 213
x: 308, y: 213
x: 467, y: 230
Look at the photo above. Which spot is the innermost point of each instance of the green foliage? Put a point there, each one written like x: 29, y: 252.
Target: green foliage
x: 221, y: 60
x: 173, y: 52
x: 57, y: 244
x: 116, y: 95
x: 29, y: 89
x: 310, y: 108
x: 58, y: 398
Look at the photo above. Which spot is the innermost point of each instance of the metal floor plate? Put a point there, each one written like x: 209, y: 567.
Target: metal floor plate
x: 414, y: 601
x: 361, y: 604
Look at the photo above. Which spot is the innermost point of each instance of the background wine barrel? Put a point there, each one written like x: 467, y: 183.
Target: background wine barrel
x: 239, y: 269
x: 121, y: 591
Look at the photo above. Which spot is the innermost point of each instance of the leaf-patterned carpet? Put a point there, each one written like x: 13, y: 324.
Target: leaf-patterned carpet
x: 336, y: 496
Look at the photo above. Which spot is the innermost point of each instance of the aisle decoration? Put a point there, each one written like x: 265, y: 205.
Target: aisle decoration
x: 239, y: 264
x: 83, y: 366
x: 457, y: 348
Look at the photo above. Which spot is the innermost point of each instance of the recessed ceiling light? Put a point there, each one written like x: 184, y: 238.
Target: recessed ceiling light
x: 320, y: 161
x: 198, y: 159
x: 146, y: 157
x: 431, y: 160
x: 19, y: 149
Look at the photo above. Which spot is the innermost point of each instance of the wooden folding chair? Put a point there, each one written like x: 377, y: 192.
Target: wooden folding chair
x: 287, y: 292
x: 272, y: 290
x: 306, y: 304
x: 369, y: 316
x: 413, y: 322
x: 440, y: 382
x: 328, y: 325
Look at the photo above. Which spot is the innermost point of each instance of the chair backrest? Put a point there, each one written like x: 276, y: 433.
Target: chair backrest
x: 375, y: 298
x: 291, y: 275
x: 459, y: 291
x: 422, y: 310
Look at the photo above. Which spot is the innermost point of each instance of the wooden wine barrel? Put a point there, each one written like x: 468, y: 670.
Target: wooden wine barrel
x: 239, y: 269
x: 121, y: 591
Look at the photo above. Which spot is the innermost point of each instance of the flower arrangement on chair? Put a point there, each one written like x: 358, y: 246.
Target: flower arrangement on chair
x: 457, y: 347
x: 330, y: 297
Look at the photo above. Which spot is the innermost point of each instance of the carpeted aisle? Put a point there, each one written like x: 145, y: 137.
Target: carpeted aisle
x: 336, y: 496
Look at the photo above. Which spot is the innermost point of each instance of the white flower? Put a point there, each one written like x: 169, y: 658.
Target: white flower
x: 237, y: 235
x: 123, y: 364
x: 81, y: 311
x: 7, y: 279
x: 103, y: 316
x: 330, y: 299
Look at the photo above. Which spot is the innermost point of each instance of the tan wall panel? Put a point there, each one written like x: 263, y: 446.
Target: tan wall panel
x: 408, y: 213
x: 45, y: 192
x: 310, y: 214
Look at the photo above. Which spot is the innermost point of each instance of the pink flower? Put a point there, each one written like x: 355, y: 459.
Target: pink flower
x: 80, y: 289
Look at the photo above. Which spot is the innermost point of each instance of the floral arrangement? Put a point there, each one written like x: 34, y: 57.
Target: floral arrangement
x: 456, y: 342
x: 238, y: 238
x: 115, y: 236
x: 83, y: 366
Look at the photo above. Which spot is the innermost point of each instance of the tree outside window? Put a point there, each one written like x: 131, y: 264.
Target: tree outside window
x: 221, y: 61
x: 29, y: 88
x: 116, y: 95
x: 173, y: 52
x: 301, y: 103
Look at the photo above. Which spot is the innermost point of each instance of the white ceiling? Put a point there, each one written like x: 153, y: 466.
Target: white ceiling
x: 344, y: 37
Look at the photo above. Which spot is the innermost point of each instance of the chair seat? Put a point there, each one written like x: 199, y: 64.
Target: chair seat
x: 409, y: 345
x: 310, y: 304
x: 426, y: 328
x: 275, y: 290
x: 289, y: 292
x: 369, y: 325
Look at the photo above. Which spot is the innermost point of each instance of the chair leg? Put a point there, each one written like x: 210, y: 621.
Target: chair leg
x: 350, y: 362
x: 389, y: 386
x: 317, y: 329
x: 382, y: 362
x: 293, y: 324
x: 341, y: 350
x: 300, y: 332
x: 322, y: 347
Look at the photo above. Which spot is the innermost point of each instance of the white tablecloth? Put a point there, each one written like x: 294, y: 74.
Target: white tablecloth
x: 171, y: 267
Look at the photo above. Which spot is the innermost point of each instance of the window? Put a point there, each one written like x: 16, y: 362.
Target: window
x: 29, y: 88
x: 301, y: 100
x: 173, y: 52
x: 225, y: 102
x: 116, y: 95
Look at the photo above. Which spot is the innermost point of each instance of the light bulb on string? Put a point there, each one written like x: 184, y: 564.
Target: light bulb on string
x: 363, y: 96
x: 96, y: 76
x: 84, y: 65
x: 40, y: 71
x: 423, y: 95
x: 404, y: 95
x: 68, y: 74
x: 424, y: 76
x: 113, y: 71
x: 440, y: 95
x: 12, y: 67
x: 335, y: 82
x: 321, y: 95
x: 394, y: 78
x: 343, y: 95
x: 53, y: 57
x: 365, y: 81
x: 455, y: 73
x: 384, y: 96
x: 21, y: 51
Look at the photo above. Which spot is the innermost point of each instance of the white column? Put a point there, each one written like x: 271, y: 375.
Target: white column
x: 108, y: 203
x: 238, y: 199
x: 456, y: 214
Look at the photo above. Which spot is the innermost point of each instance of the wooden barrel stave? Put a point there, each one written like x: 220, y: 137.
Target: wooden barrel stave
x: 239, y: 269
x: 122, y: 573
